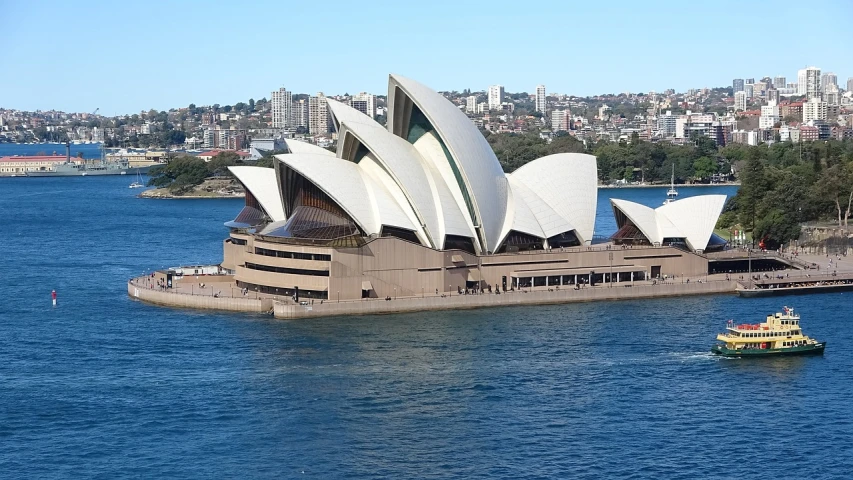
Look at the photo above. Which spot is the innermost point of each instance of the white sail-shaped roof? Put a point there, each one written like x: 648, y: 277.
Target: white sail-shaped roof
x: 691, y: 218
x: 295, y: 146
x: 432, y: 173
x: 402, y: 162
x: 260, y: 181
x: 344, y: 113
x: 366, y: 200
x: 474, y: 162
x: 562, y: 191
x: 695, y: 217
x: 641, y: 216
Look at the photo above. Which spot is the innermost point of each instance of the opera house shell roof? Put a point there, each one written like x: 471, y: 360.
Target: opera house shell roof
x: 687, y: 221
x: 430, y: 177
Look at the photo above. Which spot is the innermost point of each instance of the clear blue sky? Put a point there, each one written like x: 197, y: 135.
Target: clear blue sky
x: 128, y: 56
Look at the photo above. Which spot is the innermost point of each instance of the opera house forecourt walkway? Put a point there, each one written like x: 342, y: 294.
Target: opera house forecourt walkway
x: 420, y: 215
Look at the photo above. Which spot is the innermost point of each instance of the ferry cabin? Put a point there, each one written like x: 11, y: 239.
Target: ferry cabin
x: 779, y: 331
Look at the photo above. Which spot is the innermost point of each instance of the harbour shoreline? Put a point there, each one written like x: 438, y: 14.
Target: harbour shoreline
x: 677, y: 185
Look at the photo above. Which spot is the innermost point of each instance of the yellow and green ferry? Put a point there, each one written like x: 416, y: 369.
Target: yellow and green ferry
x: 781, y: 334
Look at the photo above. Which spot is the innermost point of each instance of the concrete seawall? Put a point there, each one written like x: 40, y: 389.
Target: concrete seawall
x: 204, y: 302
x: 543, y: 297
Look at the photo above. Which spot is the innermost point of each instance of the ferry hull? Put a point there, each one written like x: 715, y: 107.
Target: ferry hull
x: 816, y: 349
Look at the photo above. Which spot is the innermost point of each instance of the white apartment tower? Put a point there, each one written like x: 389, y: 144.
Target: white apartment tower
x: 740, y: 101
x: 808, y: 82
x: 471, y: 104
x: 814, y: 109
x: 282, y: 103
x: 560, y: 120
x: 850, y: 84
x: 300, y: 114
x: 318, y: 115
x: 365, y: 103
x: 496, y: 97
x: 769, y: 116
x: 541, y: 99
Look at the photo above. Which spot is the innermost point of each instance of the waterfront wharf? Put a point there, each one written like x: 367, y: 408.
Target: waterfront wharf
x: 524, y: 297
x: 219, y: 292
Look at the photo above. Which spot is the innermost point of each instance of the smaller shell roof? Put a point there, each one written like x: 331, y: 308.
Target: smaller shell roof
x: 691, y: 218
x: 562, y: 191
x: 262, y: 183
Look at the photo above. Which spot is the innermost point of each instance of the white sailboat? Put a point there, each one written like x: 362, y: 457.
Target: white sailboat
x: 672, y: 193
x: 138, y: 183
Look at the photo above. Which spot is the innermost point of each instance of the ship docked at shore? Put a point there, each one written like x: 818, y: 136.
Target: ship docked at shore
x: 780, y: 334
x: 81, y: 168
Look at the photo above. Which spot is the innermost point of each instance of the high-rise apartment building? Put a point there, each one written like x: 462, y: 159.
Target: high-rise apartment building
x: 496, y: 97
x: 808, y: 82
x: 831, y: 94
x: 769, y: 116
x: 471, y: 104
x: 300, y: 114
x: 666, y: 123
x: 737, y: 85
x: 541, y: 99
x: 560, y: 120
x: 318, y: 115
x: 850, y: 84
x: 779, y: 82
x: 365, y: 103
x: 828, y: 78
x: 772, y: 95
x: 814, y: 109
x: 749, y: 89
x: 740, y: 101
x: 750, y: 80
x: 281, y: 102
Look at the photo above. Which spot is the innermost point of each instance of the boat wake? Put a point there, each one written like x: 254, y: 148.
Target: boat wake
x: 693, y: 356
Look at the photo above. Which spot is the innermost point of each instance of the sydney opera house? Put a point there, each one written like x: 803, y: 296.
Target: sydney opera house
x: 423, y: 207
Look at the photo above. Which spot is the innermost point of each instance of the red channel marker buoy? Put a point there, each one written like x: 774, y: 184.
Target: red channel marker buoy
x: 53, y: 296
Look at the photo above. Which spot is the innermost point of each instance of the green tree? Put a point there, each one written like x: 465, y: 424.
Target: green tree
x: 220, y: 162
x: 752, y: 190
x: 775, y: 228
x: 836, y: 185
x: 179, y: 175
x: 704, y: 167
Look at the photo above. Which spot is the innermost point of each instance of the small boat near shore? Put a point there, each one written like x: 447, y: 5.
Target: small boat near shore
x: 781, y: 334
x: 138, y: 183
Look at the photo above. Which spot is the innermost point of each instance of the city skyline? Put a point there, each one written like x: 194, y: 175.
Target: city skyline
x: 115, y: 73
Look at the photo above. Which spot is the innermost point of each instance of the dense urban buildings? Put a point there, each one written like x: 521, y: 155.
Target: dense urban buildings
x: 754, y: 110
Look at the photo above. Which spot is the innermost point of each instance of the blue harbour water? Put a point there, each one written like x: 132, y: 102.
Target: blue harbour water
x: 105, y: 387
